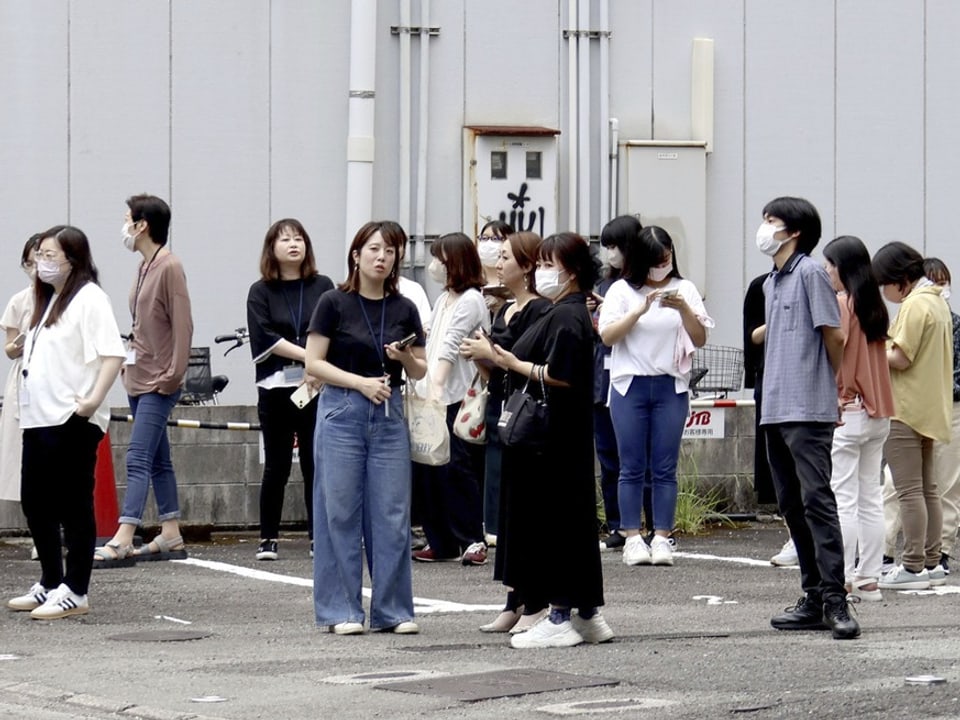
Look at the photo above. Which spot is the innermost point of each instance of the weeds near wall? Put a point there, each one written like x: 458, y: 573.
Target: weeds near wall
x: 697, y: 508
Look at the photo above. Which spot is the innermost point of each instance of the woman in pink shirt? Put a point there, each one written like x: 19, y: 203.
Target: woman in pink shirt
x: 866, y: 404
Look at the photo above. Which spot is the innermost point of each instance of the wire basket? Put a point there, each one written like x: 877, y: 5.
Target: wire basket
x: 717, y: 369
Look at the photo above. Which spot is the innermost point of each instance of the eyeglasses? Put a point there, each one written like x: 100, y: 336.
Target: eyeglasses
x: 495, y: 238
x: 49, y: 255
x: 28, y: 264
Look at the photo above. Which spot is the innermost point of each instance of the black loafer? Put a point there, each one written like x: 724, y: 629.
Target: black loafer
x: 807, y: 614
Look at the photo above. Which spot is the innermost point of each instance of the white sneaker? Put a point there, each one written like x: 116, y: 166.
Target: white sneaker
x: 408, y: 627
x: 595, y: 630
x: 902, y: 579
x: 490, y: 539
x: 938, y: 576
x: 34, y: 598
x: 858, y: 591
x: 61, y: 602
x: 661, y: 551
x: 636, y: 551
x: 787, y: 557
x: 545, y: 634
x: 347, y: 628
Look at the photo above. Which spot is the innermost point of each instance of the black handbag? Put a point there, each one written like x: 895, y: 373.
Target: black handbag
x: 523, y: 422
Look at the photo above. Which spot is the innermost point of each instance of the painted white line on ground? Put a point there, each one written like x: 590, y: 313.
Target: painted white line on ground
x: 172, y: 619
x: 740, y: 560
x: 422, y: 606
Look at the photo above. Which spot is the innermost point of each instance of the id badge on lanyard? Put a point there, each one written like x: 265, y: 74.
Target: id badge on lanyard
x: 293, y: 374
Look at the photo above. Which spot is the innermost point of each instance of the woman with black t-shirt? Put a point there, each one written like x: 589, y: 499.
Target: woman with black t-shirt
x: 362, y: 444
x: 279, y: 306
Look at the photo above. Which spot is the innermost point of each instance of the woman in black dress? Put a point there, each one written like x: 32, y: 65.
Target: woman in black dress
x: 555, y: 488
x: 515, y: 271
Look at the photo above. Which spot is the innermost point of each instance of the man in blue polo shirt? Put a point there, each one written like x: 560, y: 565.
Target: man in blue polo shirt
x: 803, y: 347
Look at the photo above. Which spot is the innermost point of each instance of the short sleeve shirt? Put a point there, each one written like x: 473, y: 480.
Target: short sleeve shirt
x: 799, y: 384
x: 353, y: 325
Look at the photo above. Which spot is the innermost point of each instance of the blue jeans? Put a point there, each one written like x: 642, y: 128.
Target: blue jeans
x: 148, y: 459
x: 649, y: 423
x: 361, y: 494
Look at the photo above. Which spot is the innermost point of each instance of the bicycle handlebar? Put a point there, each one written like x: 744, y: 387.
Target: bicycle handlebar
x: 239, y: 337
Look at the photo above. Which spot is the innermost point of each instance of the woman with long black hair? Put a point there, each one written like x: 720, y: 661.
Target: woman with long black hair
x: 866, y: 404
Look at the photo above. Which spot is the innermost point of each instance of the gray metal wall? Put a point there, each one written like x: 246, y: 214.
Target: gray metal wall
x: 236, y: 111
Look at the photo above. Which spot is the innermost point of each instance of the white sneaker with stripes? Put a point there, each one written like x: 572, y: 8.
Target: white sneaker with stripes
x: 61, y: 602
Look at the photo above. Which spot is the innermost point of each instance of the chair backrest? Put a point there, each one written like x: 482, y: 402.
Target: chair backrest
x: 198, y: 381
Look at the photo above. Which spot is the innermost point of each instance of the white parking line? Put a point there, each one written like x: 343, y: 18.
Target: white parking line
x: 422, y: 606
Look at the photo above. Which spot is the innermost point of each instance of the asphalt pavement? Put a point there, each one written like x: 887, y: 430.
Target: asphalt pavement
x: 222, y: 635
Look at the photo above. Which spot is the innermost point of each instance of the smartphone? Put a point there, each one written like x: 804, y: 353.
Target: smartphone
x: 402, y: 344
x: 302, y: 396
x: 486, y: 335
x: 668, y: 293
x: 19, y: 340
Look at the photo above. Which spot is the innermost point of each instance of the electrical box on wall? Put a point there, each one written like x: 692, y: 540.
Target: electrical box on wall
x: 666, y: 185
x: 510, y: 174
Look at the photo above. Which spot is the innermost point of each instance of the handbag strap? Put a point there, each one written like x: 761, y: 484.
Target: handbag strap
x: 543, y: 386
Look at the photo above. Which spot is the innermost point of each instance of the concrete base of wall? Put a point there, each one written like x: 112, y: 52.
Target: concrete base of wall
x: 218, y: 471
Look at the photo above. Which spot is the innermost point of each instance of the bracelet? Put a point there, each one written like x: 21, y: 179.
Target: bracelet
x: 533, y: 371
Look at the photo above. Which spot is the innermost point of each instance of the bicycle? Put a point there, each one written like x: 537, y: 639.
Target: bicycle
x: 200, y: 385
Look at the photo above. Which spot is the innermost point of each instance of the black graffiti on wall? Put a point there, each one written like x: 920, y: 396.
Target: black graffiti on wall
x: 519, y: 217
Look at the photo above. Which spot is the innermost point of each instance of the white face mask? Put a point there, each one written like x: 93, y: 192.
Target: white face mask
x: 613, y: 257
x: 49, y: 272
x: 548, y: 282
x: 489, y: 251
x: 437, y: 272
x: 945, y: 291
x: 660, y: 273
x: 766, y: 243
x: 129, y: 238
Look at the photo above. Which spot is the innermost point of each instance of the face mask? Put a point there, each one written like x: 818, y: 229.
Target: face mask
x: 613, y: 258
x: 945, y: 292
x: 437, y: 272
x: 766, y: 243
x: 489, y: 251
x: 49, y: 272
x: 657, y: 274
x: 129, y: 238
x: 548, y: 282
x: 31, y: 272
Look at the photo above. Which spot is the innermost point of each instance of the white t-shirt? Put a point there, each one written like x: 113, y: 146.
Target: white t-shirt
x: 650, y: 347
x: 62, y: 362
x: 413, y: 291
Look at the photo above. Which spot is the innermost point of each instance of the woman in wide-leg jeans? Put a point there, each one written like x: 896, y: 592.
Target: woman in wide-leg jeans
x: 363, y: 336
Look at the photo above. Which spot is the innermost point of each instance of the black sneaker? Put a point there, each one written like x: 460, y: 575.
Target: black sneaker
x: 944, y: 559
x: 613, y: 541
x: 836, y: 615
x: 807, y: 614
x: 267, y: 550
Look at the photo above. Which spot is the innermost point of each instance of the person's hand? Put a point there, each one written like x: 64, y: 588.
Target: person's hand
x: 86, y: 407
x: 592, y: 303
x: 476, y: 348
x: 314, y: 383
x: 504, y: 358
x: 375, y: 389
x: 395, y: 353
x: 675, y: 301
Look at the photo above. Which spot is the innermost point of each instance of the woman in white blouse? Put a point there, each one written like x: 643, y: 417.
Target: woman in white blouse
x: 654, y: 320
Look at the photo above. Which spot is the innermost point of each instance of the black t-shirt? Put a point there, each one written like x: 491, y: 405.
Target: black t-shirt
x: 280, y: 310
x: 353, y: 325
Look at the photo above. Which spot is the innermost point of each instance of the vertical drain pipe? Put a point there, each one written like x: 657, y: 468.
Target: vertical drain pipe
x: 420, y: 226
x: 584, y: 177
x: 360, y: 133
x: 403, y: 212
x: 603, y: 121
x: 572, y: 132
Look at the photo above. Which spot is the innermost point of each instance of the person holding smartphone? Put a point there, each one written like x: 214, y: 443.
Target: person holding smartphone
x: 654, y: 320
x: 279, y: 306
x: 15, y: 322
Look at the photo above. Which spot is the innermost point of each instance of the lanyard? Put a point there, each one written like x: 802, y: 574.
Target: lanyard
x: 296, y: 319
x: 33, y: 340
x: 383, y: 315
x: 136, y: 293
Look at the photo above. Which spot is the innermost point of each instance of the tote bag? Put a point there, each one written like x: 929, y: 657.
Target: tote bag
x: 471, y: 423
x: 429, y: 437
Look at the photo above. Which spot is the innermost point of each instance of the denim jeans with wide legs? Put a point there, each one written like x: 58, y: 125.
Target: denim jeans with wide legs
x: 361, y: 499
x: 648, y: 422
x: 801, y: 464
x: 148, y: 459
x: 856, y: 455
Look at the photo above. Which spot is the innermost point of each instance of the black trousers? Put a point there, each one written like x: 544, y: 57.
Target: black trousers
x: 56, y: 490
x: 605, y: 441
x: 280, y: 420
x: 801, y: 465
x: 452, y: 510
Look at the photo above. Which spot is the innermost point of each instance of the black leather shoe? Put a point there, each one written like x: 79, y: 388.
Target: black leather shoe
x: 807, y: 614
x: 842, y: 624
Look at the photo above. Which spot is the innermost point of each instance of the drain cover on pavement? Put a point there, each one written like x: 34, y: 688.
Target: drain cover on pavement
x: 161, y: 636
x: 496, y: 684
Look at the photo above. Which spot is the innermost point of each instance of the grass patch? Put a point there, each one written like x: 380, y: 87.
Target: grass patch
x: 697, y: 508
